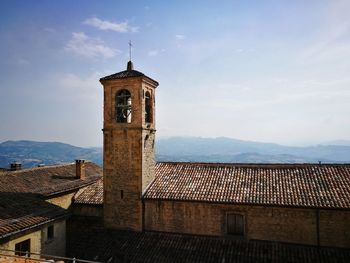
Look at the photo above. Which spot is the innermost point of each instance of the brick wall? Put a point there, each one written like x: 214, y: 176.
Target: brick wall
x: 292, y: 225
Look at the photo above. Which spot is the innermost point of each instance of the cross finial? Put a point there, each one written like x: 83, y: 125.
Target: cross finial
x: 130, y: 45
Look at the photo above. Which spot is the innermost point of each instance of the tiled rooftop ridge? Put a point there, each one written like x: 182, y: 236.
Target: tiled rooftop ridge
x: 48, y: 180
x: 302, y: 185
x: 92, y: 194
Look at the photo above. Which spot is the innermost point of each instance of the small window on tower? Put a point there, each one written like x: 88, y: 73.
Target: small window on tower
x: 123, y: 106
x: 148, y: 107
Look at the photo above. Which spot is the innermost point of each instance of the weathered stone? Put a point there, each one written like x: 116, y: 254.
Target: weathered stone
x: 128, y: 165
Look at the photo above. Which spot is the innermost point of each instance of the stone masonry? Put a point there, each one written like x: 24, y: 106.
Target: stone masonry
x: 295, y: 225
x: 129, y: 161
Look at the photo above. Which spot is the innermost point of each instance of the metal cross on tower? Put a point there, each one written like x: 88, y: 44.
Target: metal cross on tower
x: 130, y: 45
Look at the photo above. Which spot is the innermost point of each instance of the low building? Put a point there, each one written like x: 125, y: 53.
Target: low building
x: 35, y: 204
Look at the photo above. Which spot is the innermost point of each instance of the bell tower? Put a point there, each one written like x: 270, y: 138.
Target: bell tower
x: 128, y: 146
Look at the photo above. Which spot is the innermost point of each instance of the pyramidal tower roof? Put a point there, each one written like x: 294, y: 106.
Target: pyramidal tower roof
x: 128, y: 73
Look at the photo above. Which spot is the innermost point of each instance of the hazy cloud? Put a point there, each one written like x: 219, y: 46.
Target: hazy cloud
x: 122, y: 27
x: 86, y: 46
x: 180, y: 37
x: 155, y: 52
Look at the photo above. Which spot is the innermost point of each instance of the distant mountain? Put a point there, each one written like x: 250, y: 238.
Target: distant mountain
x: 232, y: 150
x: 32, y: 153
x: 337, y: 142
x: 187, y: 149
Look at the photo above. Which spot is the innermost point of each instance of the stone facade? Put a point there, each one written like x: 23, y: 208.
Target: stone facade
x: 88, y: 210
x: 128, y: 164
x: 294, y: 225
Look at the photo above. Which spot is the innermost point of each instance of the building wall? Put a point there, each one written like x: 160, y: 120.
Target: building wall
x: 292, y: 225
x: 334, y: 228
x: 39, y: 243
x: 35, y: 243
x: 88, y: 210
x: 57, y: 245
x: 63, y: 201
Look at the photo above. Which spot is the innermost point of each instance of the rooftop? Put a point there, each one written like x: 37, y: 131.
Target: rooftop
x: 297, y: 185
x: 48, y: 180
x: 129, y: 73
x: 91, y: 242
x: 92, y: 194
x: 301, y: 185
x: 23, y: 211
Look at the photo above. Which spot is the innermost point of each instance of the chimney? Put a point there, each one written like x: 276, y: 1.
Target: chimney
x: 15, y: 166
x: 80, y: 169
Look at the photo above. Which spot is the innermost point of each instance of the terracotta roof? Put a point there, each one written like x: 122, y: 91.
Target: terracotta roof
x: 127, y: 74
x: 302, y: 185
x: 22, y: 211
x: 48, y: 180
x: 124, y: 74
x: 88, y: 241
x: 92, y: 194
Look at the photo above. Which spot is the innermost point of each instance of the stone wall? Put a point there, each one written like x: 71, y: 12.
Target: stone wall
x: 334, y: 228
x: 293, y: 225
x: 88, y: 210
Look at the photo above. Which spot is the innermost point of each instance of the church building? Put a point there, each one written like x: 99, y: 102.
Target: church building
x: 294, y: 203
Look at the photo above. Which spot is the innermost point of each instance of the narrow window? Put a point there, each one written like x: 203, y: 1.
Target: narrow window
x: 50, y: 233
x: 23, y: 248
x: 121, y: 194
x: 123, y: 106
x: 145, y: 141
x: 235, y: 224
x: 148, y: 107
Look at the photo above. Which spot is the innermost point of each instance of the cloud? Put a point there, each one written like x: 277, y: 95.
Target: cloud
x: 180, y: 37
x: 83, y: 45
x: 122, y: 27
x: 155, y: 52
x: 76, y: 86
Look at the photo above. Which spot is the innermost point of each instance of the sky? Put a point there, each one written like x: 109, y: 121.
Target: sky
x: 269, y: 71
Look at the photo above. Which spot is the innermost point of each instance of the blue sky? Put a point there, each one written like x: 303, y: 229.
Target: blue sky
x: 272, y: 71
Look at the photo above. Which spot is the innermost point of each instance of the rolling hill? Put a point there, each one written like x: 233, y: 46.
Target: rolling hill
x: 187, y: 149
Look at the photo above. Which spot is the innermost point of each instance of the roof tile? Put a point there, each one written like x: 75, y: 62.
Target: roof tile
x: 20, y: 211
x: 48, y: 180
x: 303, y: 185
